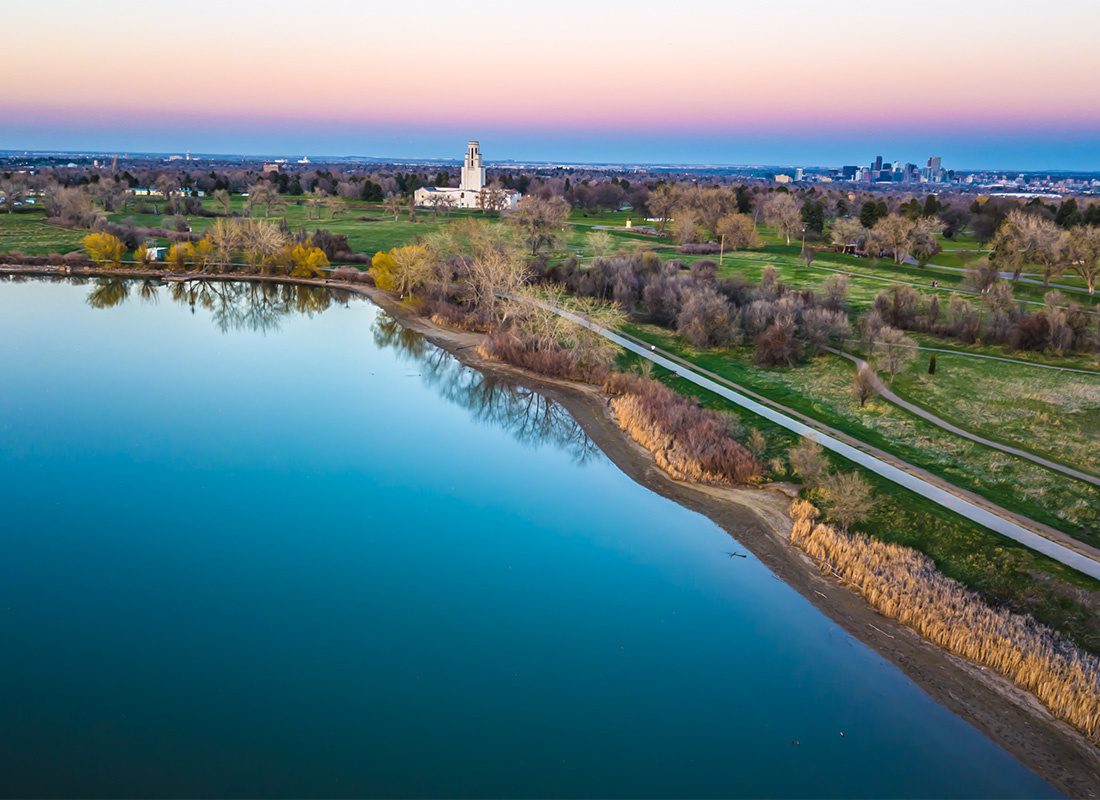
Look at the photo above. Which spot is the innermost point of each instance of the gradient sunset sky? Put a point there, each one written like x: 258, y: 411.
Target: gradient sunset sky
x: 983, y: 83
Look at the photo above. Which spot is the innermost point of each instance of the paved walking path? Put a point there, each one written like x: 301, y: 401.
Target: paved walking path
x: 1034, y: 535
x: 885, y: 392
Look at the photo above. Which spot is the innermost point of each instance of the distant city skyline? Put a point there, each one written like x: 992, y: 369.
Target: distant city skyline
x: 987, y: 84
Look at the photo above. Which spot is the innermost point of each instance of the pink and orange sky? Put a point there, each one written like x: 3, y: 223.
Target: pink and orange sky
x: 999, y: 84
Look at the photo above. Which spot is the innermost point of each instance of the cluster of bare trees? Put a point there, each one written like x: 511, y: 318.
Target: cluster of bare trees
x: 897, y: 236
x: 994, y: 316
x: 697, y: 214
x: 1030, y: 239
x: 781, y: 322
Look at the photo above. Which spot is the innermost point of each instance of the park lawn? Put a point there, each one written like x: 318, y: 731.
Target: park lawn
x: 1053, y: 414
x: 28, y: 232
x: 821, y: 389
x: 1003, y: 572
x: 963, y: 251
x: 608, y: 218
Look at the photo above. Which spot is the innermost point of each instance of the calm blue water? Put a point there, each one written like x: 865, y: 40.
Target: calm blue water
x: 246, y: 550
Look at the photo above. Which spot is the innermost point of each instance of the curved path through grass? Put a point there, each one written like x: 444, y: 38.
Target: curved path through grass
x: 884, y: 392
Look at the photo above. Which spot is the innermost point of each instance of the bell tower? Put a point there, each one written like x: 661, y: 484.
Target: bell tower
x: 473, y: 174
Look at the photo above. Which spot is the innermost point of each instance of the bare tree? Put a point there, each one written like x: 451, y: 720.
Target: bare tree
x: 894, y: 235
x: 661, y: 202
x: 541, y: 220
x: 1081, y: 253
x: 221, y: 197
x: 782, y: 212
x: 706, y: 319
x: 893, y: 349
x: 492, y: 198
x: 1026, y: 239
x: 847, y: 233
x: 393, y: 205
x: 442, y: 203
x: 736, y: 232
x: 600, y: 243
x: 823, y: 327
x: 808, y: 462
x: 685, y: 227
x: 865, y: 385
x: 261, y: 194
x: 834, y: 292
x: 12, y: 192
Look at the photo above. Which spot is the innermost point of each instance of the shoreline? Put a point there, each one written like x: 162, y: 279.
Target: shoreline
x: 757, y: 519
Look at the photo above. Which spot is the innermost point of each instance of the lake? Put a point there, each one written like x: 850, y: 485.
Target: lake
x: 260, y: 541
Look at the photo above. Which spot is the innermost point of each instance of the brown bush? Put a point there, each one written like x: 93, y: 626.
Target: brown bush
x: 346, y: 274
x: 688, y: 442
x: 443, y: 312
x: 905, y: 585
x: 777, y: 346
x: 507, y: 346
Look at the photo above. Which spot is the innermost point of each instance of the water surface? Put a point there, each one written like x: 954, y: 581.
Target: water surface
x: 257, y: 541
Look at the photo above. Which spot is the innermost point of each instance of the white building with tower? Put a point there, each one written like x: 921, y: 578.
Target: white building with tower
x: 472, y: 192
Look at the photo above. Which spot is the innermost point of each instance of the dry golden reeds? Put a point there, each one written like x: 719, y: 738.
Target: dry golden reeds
x: 905, y: 585
x: 688, y: 442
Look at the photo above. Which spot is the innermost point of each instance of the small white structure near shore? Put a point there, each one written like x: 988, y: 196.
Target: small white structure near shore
x: 471, y: 192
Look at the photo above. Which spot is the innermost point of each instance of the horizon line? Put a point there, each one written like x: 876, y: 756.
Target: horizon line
x: 259, y: 156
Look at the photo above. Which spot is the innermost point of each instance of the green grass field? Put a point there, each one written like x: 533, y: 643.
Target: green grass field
x: 31, y: 234
x: 1053, y: 414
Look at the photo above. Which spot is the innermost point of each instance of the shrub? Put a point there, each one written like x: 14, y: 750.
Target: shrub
x: 848, y: 498
x: 808, y: 462
x: 103, y: 248
x: 555, y: 362
x: 777, y: 346
x: 700, y: 248
x: 707, y: 320
x: 346, y: 274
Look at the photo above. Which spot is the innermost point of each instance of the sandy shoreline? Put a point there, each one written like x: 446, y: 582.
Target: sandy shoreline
x: 758, y: 520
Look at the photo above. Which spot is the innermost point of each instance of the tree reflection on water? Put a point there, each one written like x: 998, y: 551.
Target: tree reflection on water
x: 233, y: 306
x: 260, y: 307
x: 532, y: 418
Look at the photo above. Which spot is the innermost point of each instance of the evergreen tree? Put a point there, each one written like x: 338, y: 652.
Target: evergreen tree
x: 813, y: 215
x: 870, y: 213
x: 932, y: 206
x: 1069, y: 215
x: 744, y: 200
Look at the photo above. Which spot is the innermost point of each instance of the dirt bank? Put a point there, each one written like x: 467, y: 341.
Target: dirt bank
x: 758, y: 520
